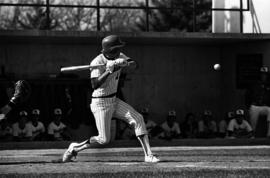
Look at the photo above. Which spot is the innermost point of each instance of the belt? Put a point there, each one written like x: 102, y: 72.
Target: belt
x: 107, y: 96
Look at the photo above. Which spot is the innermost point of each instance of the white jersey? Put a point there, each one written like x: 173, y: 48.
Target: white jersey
x: 22, y: 132
x: 55, y: 130
x: 37, y: 129
x: 233, y: 126
x: 110, y: 85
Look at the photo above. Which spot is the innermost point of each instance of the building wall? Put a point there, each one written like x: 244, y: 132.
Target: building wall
x: 256, y: 20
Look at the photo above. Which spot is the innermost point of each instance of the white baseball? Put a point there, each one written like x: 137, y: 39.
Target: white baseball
x: 217, y: 66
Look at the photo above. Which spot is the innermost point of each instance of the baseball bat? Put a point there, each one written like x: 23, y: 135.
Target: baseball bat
x: 84, y: 67
x: 79, y: 68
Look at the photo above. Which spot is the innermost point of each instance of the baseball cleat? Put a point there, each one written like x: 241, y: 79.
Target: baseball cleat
x: 69, y: 154
x: 151, y: 159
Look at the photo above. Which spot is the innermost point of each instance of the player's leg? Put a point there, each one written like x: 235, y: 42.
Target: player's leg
x: 103, y: 117
x: 130, y: 115
x: 103, y: 123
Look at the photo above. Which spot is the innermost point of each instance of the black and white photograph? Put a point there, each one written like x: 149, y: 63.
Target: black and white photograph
x: 134, y: 88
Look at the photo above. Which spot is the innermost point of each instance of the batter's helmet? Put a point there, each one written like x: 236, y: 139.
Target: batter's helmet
x: 111, y: 42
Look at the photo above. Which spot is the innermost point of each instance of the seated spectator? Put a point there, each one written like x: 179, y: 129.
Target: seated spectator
x: 207, y: 127
x: 5, y: 131
x: 148, y: 123
x: 189, y: 126
x: 239, y: 127
x: 22, y: 131
x: 170, y: 128
x: 38, y: 129
x: 223, y: 124
x: 57, y: 129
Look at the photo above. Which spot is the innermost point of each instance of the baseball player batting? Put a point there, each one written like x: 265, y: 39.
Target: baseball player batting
x: 106, y: 105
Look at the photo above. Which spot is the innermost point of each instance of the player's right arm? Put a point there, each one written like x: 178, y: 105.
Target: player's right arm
x: 96, y: 82
x: 99, y: 75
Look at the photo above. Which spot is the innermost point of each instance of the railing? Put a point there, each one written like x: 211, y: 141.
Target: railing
x: 146, y: 7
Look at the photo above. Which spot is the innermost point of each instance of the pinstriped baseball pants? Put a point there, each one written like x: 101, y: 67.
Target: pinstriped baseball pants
x: 105, y: 108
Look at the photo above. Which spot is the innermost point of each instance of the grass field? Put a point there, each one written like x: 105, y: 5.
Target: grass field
x: 177, y: 161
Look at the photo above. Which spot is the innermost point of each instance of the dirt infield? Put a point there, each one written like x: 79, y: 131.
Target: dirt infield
x: 205, y: 161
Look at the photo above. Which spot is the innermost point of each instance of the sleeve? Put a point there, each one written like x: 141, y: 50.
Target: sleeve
x: 50, y: 129
x: 231, y: 126
x: 15, y: 130
x: 248, y: 127
x: 94, y: 73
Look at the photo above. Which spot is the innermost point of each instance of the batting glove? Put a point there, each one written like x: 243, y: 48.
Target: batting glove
x: 121, y: 62
x: 110, y: 66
